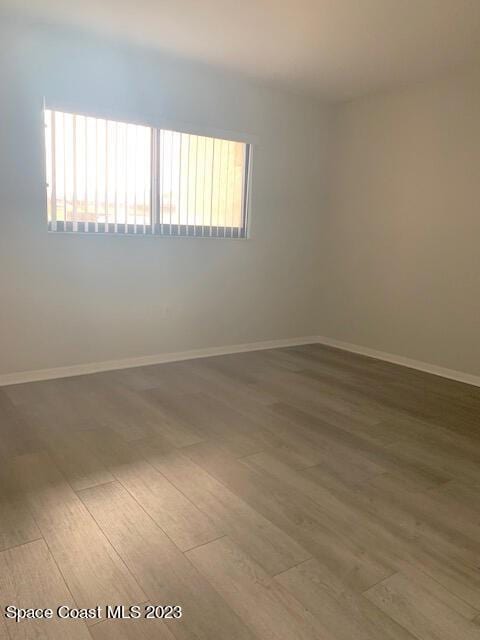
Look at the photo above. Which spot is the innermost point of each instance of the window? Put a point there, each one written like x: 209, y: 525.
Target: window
x: 105, y: 176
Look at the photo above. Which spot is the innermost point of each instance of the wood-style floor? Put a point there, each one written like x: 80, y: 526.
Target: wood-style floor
x: 299, y: 493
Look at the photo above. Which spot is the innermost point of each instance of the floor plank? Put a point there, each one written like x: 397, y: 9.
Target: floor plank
x: 295, y: 513
x: 264, y: 605
x: 17, y: 525
x: 3, y: 631
x: 76, y: 460
x: 433, y: 587
x: 263, y: 541
x: 139, y: 629
x: 180, y: 518
x: 184, y: 523
x: 29, y: 578
x: 421, y: 610
x: 160, y: 568
x: 92, y: 569
x: 345, y: 613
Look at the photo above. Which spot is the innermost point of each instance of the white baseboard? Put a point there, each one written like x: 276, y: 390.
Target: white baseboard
x: 127, y: 363
x: 443, y: 372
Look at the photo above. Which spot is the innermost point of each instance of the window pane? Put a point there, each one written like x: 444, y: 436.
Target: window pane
x: 98, y: 173
x: 201, y: 184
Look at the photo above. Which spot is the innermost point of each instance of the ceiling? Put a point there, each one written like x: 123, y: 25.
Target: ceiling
x: 330, y: 49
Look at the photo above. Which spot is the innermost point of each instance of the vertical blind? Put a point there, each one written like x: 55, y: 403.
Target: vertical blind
x: 105, y: 176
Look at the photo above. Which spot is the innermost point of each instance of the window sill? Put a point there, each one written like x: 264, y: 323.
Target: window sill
x: 158, y: 231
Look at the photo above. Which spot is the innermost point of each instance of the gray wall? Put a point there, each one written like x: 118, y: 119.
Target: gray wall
x: 68, y: 300
x: 401, y: 269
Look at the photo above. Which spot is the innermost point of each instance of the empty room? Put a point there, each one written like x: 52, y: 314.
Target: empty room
x: 239, y: 320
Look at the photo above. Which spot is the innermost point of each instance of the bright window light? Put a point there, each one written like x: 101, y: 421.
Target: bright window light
x: 105, y: 176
